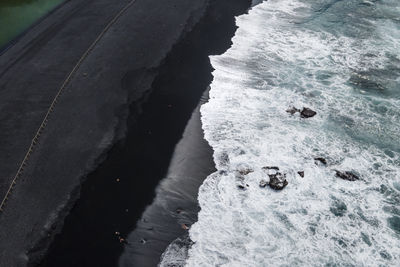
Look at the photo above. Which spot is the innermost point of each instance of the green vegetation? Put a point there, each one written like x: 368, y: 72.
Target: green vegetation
x: 17, y: 15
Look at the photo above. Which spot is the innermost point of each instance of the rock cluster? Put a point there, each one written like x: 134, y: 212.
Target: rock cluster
x: 278, y: 181
x: 345, y: 175
x: 304, y: 113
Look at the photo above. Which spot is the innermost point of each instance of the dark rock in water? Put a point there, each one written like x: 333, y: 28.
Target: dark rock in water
x: 304, y: 113
x: 241, y: 187
x: 263, y: 183
x: 222, y: 172
x: 292, y: 110
x: 346, y: 175
x: 245, y: 171
x: 277, y: 181
x: 322, y: 160
x: 301, y: 173
x: 270, y: 168
x: 307, y: 113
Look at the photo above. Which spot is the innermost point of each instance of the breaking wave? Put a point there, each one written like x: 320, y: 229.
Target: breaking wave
x: 341, y: 59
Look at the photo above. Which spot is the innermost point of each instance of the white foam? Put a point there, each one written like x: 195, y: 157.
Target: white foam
x: 278, y: 60
x: 176, y: 253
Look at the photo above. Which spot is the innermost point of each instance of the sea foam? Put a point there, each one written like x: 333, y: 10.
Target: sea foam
x: 340, y: 58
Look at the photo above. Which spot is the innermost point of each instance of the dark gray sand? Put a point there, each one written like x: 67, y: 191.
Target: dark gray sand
x: 33, y: 70
x: 90, y: 116
x: 108, y: 210
x: 85, y: 121
x: 175, y: 206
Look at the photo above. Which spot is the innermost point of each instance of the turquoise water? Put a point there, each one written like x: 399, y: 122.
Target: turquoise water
x: 342, y: 59
x: 17, y: 15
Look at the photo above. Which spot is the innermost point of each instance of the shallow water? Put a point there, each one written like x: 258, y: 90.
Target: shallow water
x: 17, y: 15
x: 342, y: 59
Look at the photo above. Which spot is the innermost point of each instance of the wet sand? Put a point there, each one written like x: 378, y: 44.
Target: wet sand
x: 148, y: 155
x: 119, y: 90
x: 175, y: 205
x: 86, y: 120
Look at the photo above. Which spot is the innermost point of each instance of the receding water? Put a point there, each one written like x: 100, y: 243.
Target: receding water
x: 17, y: 15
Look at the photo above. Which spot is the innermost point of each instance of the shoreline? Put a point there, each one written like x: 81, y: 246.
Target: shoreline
x: 175, y: 204
x: 142, y: 160
x: 36, y: 207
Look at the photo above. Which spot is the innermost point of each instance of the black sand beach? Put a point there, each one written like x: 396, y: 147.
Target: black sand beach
x: 124, y: 87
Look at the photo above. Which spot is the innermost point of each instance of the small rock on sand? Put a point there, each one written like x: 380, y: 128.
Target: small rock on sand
x: 301, y: 173
x: 178, y: 210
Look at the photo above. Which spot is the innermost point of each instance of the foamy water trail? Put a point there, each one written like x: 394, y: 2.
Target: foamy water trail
x: 340, y: 58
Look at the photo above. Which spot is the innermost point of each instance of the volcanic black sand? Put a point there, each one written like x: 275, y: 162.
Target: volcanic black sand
x: 124, y: 86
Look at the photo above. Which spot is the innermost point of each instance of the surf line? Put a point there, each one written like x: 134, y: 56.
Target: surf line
x: 53, y: 104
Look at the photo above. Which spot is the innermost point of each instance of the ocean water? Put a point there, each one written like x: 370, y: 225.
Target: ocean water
x: 17, y: 15
x: 341, y: 59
